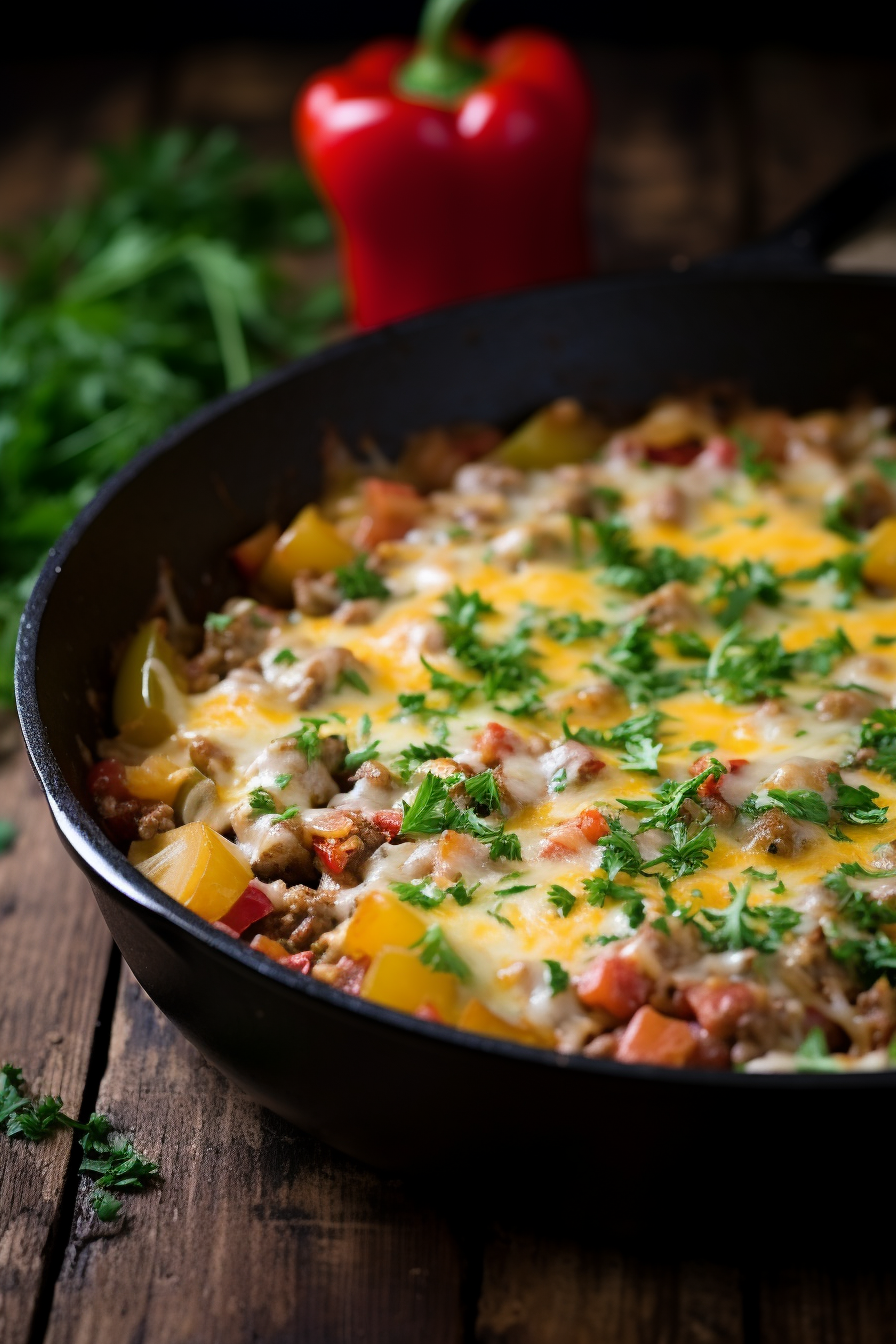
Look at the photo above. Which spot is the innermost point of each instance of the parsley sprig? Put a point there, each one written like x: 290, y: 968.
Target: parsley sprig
x: 433, y: 810
x: 115, y: 1165
x: 357, y: 580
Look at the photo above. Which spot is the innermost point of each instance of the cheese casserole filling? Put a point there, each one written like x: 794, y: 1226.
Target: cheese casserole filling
x: 579, y: 739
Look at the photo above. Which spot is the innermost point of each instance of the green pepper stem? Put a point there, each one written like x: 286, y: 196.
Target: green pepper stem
x: 437, y: 70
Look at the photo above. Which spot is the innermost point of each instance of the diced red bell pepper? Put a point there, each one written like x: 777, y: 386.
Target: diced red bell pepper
x: 651, y: 1038
x: 427, y: 1013
x: 615, y: 984
x: 593, y: 825
x: 300, y: 961
x: 350, y: 974
x: 676, y: 454
x: 251, y: 906
x: 389, y: 820
x: 250, y: 555
x: 710, y: 1052
x: 391, y: 509
x: 108, y: 777
x: 334, y: 853
x: 712, y: 787
x: 718, y: 1007
x: 571, y: 836
x: 225, y: 928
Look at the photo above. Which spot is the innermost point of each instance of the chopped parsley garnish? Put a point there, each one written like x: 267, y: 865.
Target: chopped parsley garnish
x: 361, y: 754
x: 483, y: 790
x: 856, y: 805
x: 505, y: 669
x: 114, y: 1165
x: 634, y: 666
x: 620, y: 853
x: 357, y: 580
x: 422, y: 892
x: 684, y: 855
x: 349, y: 676
x: 285, y: 657
x: 761, y: 927
x: 261, y: 801
x: 562, y: 899
x: 437, y: 953
x: 218, y: 621
x: 820, y: 656
x: 434, y: 810
x: 461, y: 892
x: 570, y: 628
x: 739, y: 585
x: 558, y: 782
x: 844, y: 570
x: 741, y: 669
x: 703, y: 744
x: 282, y: 780
x: 634, y: 737
x: 601, y: 889
x: 879, y: 731
x: 663, y: 810
x: 556, y: 976
x: 414, y: 755
x: 459, y: 691
x: 625, y: 567
x: 753, y: 461
x: 364, y: 725
x: 307, y: 739
x: 801, y: 804
x: 688, y: 644
x: 836, y: 518
x: 641, y: 754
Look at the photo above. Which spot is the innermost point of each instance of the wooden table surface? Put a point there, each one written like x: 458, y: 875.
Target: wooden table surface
x: 257, y: 1232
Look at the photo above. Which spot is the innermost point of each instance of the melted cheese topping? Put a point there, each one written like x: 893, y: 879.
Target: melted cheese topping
x: 511, y: 545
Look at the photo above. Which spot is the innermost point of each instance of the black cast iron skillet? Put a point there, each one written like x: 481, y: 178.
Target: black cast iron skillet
x: 384, y: 1087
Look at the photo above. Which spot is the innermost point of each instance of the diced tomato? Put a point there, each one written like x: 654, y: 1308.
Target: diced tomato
x: 250, y: 555
x: 651, y: 1038
x: 719, y: 451
x: 494, y: 743
x: 276, y: 951
x: 615, y: 984
x: 108, y: 777
x: 676, y: 454
x: 570, y: 837
x: 350, y: 974
x: 252, y: 905
x: 592, y: 824
x: 427, y: 1013
x: 300, y: 961
x: 334, y: 854
x: 391, y: 509
x: 389, y: 820
x: 718, y: 1007
x: 711, y: 786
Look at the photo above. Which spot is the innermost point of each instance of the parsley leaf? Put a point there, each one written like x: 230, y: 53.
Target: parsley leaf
x: 844, y: 570
x: 856, y: 805
x: 570, y: 628
x: 282, y: 780
x: 739, y: 926
x: 307, y: 739
x: 741, y: 669
x: 218, y: 621
x: 562, y: 899
x: 413, y: 756
x: 483, y: 790
x: 813, y: 1055
x: 357, y: 580
x: 620, y: 853
x: 349, y: 676
x: 360, y: 754
x: 434, y: 810
x: 437, y: 953
x: 739, y: 585
x: 664, y: 808
x: 688, y: 644
x: 879, y: 732
x: 8, y: 833
x: 285, y: 657
x: 422, y: 892
x: 600, y: 889
x: 461, y: 892
x: 261, y: 801
x: 836, y: 518
x: 753, y: 461
x: 557, y: 977
x: 682, y: 855
x: 820, y: 656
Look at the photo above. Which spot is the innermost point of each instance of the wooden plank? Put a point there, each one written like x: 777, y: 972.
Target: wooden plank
x: 256, y: 1232
x: 666, y: 179
x: 54, y: 953
x: 828, y: 1304
x: 537, y: 1290
x: 811, y: 117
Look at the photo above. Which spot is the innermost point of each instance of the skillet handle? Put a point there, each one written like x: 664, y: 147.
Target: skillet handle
x: 803, y: 243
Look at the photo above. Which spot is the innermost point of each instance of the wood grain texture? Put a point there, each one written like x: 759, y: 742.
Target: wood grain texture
x: 537, y: 1290
x: 54, y: 953
x: 256, y: 1231
x: 828, y: 1304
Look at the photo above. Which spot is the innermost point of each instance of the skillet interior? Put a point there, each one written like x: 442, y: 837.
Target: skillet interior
x: 371, y: 1082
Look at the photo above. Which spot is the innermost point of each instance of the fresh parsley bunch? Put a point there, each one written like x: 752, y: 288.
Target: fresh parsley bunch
x: 126, y: 313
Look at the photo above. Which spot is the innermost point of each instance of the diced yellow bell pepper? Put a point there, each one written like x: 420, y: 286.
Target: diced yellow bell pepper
x: 397, y: 978
x: 198, y: 799
x: 196, y: 866
x: 310, y: 542
x: 476, y: 1017
x: 269, y: 947
x: 381, y: 921
x: 158, y: 778
x: 562, y: 432
x: 146, y: 699
x: 880, y: 560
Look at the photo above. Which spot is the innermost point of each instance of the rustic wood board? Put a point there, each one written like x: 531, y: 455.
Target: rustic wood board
x: 54, y: 955
x: 256, y: 1231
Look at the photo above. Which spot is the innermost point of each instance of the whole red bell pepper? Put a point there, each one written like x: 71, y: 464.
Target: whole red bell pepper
x: 454, y: 169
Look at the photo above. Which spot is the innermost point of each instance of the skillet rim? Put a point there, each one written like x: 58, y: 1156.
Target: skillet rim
x: 99, y: 857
